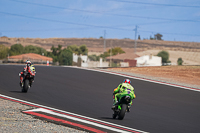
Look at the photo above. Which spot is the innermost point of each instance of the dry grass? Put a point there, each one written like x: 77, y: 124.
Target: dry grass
x: 182, y: 74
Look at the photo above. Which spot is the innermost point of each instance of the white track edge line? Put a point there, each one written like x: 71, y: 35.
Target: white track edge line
x: 77, y: 119
x: 72, y: 113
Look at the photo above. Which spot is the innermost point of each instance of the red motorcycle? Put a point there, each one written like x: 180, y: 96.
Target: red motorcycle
x: 27, y: 81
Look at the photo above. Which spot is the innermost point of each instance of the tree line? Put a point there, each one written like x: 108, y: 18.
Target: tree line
x: 18, y: 49
x: 157, y: 36
x: 63, y: 56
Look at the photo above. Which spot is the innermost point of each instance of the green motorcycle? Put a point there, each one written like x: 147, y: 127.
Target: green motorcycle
x: 122, y: 107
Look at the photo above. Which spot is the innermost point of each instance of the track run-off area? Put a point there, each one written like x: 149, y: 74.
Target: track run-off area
x: 82, y: 98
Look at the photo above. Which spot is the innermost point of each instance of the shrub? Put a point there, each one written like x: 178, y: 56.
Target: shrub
x: 3, y: 51
x: 65, y: 57
x: 16, y: 49
x: 115, y: 51
x: 179, y: 61
x: 165, y: 56
x: 93, y: 57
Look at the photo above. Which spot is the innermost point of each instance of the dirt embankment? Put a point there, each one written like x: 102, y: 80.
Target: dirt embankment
x: 180, y: 74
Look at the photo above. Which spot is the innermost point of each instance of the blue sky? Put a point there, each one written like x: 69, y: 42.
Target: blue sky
x: 176, y: 20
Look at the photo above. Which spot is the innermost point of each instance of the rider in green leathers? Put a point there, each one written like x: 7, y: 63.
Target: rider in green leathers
x: 123, y: 89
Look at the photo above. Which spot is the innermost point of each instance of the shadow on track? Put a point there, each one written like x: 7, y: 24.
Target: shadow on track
x: 106, y: 118
x: 16, y: 91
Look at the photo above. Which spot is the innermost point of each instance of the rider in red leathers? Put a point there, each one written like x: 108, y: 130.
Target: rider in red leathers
x: 28, y: 68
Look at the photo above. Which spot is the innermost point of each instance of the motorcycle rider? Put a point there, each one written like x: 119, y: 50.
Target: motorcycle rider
x: 120, y: 90
x: 30, y: 69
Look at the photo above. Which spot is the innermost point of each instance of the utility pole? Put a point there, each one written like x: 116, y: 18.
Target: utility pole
x: 135, y: 47
x: 110, y: 57
x: 104, y: 40
x: 110, y: 54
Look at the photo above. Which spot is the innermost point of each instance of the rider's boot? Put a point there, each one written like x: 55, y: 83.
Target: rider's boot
x: 21, y: 83
x: 128, y: 108
x: 33, y: 79
x: 114, y: 104
x: 30, y: 83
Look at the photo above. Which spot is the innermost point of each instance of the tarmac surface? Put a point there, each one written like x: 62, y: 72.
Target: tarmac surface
x: 157, y: 108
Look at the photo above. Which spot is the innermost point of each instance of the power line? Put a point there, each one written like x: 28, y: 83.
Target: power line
x: 87, y: 25
x: 65, y: 22
x: 113, y: 14
x: 104, y: 40
x: 152, y: 23
x: 155, y: 4
x: 36, y: 30
x: 171, y: 33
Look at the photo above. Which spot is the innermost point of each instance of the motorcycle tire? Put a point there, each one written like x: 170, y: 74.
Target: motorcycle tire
x: 26, y: 86
x: 122, y: 112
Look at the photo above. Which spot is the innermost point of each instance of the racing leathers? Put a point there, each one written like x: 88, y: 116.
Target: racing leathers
x: 120, y: 91
x: 30, y: 70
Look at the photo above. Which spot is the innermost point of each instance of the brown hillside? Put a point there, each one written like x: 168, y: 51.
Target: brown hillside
x: 189, y: 51
x: 99, y: 43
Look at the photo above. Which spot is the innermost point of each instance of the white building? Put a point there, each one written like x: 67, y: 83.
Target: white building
x: 148, y: 60
x: 84, y: 59
x: 85, y: 62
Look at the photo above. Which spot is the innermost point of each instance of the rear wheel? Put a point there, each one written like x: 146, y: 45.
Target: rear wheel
x: 26, y: 85
x: 122, y: 112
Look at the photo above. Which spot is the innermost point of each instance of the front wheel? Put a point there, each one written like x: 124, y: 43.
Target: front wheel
x: 122, y: 111
x: 26, y: 85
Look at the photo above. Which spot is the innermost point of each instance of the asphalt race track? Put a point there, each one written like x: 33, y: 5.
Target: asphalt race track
x: 156, y: 109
